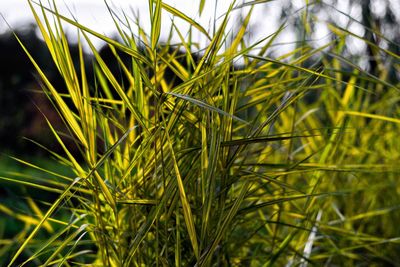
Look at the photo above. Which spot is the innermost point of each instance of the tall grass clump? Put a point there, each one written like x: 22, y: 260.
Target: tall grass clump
x: 242, y: 160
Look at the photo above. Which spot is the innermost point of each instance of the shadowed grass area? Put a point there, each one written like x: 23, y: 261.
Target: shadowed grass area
x: 283, y: 161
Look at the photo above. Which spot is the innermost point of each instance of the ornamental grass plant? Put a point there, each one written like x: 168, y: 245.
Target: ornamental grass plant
x: 243, y: 159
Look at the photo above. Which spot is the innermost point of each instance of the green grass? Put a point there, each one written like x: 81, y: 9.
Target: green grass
x: 277, y: 163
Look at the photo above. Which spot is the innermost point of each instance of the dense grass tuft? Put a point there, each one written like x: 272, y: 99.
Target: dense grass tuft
x: 274, y: 162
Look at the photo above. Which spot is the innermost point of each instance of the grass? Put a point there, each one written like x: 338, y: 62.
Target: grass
x: 278, y: 162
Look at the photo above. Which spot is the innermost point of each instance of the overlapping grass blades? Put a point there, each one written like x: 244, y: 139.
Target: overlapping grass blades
x: 271, y: 163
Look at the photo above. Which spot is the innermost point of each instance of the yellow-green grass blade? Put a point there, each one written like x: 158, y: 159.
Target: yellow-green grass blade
x: 252, y: 3
x: 80, y: 171
x: 306, y: 70
x: 65, y: 110
x: 187, y: 46
x: 188, y: 215
x: 262, y: 139
x: 50, y: 211
x: 54, y: 238
x: 32, y: 184
x: 104, y: 188
x: 110, y: 77
x: 86, y: 112
x: 184, y: 17
x: 36, y: 210
x: 65, y: 243
x: 27, y: 219
x: 61, y: 56
x: 70, y: 258
x: 372, y: 116
x: 206, y: 106
x: 201, y: 6
x: 155, y: 23
x: 118, y: 22
x: 241, y: 33
x: 214, y: 46
x: 369, y: 76
x: 137, y: 201
x: 42, y: 28
x: 206, y: 256
x: 31, y: 165
x: 347, y: 32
